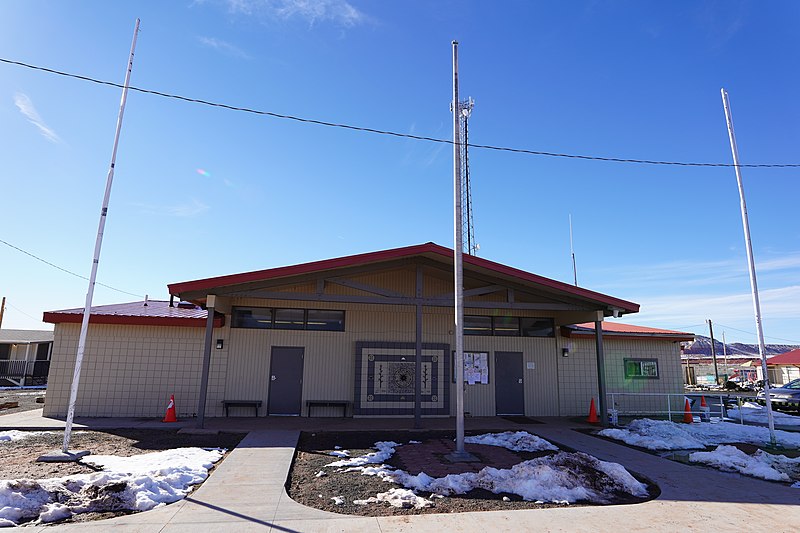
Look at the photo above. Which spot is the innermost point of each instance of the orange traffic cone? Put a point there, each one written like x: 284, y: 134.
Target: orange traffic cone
x: 703, y: 401
x: 592, y: 414
x: 687, y: 412
x: 170, y: 416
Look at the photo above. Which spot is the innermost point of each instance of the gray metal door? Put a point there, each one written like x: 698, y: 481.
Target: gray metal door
x: 509, y: 392
x: 285, y: 381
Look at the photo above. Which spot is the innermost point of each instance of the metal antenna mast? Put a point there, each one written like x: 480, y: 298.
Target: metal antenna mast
x: 464, y: 112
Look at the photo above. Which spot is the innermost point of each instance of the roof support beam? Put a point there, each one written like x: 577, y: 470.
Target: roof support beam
x: 364, y: 287
x: 430, y: 302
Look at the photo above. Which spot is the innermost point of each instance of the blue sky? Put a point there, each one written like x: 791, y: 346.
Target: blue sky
x: 202, y: 191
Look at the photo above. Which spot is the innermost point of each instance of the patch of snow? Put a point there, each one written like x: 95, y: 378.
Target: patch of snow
x: 343, y: 453
x: 321, y: 473
x: 137, y: 483
x: 562, y: 477
x: 402, y: 498
x: 666, y: 435
x: 755, y: 413
x: 338, y: 500
x: 520, y: 441
x: 337, y: 447
x: 733, y: 459
x: 415, y: 442
x: 385, y: 451
x: 13, y: 434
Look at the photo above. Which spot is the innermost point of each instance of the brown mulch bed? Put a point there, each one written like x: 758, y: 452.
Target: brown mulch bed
x: 18, y: 458
x: 25, y: 400
x: 313, y: 453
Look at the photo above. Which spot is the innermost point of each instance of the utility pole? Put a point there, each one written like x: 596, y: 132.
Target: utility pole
x: 2, y: 310
x: 713, y: 352
x: 762, y: 349
x: 725, y: 354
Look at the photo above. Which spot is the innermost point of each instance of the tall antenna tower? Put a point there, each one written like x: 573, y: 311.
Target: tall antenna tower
x: 464, y: 112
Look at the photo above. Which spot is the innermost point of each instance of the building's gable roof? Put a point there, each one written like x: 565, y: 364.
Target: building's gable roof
x: 619, y: 330
x: 154, y: 313
x: 427, y: 250
x: 25, y: 336
x: 788, y: 358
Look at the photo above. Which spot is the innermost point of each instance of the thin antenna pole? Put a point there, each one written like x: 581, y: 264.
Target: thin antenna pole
x: 572, y: 252
x: 762, y: 350
x: 76, y: 376
x: 458, y: 245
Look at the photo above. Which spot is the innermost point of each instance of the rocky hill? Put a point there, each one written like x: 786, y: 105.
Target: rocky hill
x: 702, y: 347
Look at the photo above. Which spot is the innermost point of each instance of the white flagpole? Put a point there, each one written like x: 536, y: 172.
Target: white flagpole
x: 458, y: 245
x: 73, y: 393
x: 762, y: 350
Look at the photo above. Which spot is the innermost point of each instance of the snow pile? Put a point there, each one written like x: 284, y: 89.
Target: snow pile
x: 761, y: 464
x: 666, y: 435
x: 137, y: 483
x: 560, y: 478
x: 563, y: 477
x: 757, y: 414
x: 521, y: 441
x: 13, y: 434
x: 385, y: 451
x: 402, y: 498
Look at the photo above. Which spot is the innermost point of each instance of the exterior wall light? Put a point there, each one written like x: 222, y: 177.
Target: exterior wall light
x: 219, y: 344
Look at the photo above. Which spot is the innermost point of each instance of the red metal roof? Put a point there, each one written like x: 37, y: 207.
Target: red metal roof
x: 155, y: 313
x: 788, y: 358
x: 392, y: 254
x: 618, y: 329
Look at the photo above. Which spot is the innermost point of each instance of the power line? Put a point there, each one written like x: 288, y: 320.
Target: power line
x: 753, y: 334
x: 394, y: 133
x: 21, y: 311
x: 64, y: 270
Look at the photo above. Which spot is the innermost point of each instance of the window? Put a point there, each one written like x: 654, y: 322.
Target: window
x: 43, y: 352
x: 323, y: 320
x: 537, y: 327
x: 477, y: 325
x: 5, y: 351
x: 641, y: 368
x: 288, y: 318
x: 252, y: 317
x: 509, y: 326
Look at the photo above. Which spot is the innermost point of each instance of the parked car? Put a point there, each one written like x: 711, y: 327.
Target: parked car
x: 785, y: 397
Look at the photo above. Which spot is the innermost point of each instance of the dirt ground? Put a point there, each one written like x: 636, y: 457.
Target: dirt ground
x: 26, y: 400
x: 18, y: 458
x: 313, y: 453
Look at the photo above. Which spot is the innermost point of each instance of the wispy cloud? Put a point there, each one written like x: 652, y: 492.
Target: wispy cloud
x: 191, y: 209
x: 26, y: 107
x: 780, y: 313
x: 687, y: 273
x: 223, y: 46
x: 338, y: 12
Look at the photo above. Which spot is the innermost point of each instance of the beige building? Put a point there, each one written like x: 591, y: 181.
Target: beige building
x: 364, y: 335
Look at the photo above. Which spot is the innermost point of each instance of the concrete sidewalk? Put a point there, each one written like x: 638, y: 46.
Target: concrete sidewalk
x: 246, y: 493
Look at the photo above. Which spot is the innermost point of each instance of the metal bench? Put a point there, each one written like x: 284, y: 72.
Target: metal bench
x: 255, y: 404
x: 344, y: 404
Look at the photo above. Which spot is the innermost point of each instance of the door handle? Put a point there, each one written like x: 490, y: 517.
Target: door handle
x: 272, y: 378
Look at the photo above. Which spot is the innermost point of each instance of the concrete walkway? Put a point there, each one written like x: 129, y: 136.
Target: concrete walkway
x: 246, y: 493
